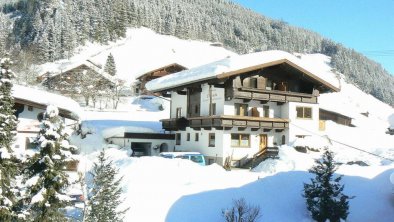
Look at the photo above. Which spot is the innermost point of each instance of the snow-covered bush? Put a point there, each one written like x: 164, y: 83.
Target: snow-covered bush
x: 324, y: 198
x: 241, y: 212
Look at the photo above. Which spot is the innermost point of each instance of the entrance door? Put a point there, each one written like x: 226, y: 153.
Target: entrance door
x: 263, y: 142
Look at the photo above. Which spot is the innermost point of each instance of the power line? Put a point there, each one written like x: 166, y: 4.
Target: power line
x: 353, y: 147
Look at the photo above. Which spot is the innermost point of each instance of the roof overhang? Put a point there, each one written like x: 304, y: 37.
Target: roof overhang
x: 160, y: 68
x: 62, y: 112
x: 224, y: 75
x: 278, y: 62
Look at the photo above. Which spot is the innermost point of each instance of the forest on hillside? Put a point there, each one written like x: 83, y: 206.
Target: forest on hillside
x: 52, y: 29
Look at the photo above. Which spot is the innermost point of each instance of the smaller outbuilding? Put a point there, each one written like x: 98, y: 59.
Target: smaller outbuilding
x: 143, y: 141
x: 336, y: 117
x: 154, y: 74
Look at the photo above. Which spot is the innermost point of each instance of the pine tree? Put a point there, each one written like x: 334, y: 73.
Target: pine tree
x: 45, y: 173
x: 8, y: 122
x: 110, y: 66
x: 324, y: 197
x: 105, y: 192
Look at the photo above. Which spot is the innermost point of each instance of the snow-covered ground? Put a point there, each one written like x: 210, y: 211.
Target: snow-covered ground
x: 159, y: 189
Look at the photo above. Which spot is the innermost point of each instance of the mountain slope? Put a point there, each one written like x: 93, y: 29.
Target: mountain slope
x: 50, y: 30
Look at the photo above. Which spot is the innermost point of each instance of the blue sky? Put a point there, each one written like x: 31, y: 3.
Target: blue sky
x: 364, y: 25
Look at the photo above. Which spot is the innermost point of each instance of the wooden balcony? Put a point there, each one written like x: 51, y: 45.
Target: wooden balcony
x: 175, y: 124
x: 226, y: 122
x: 273, y: 95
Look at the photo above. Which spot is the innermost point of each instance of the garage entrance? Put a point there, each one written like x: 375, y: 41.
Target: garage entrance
x: 141, y: 149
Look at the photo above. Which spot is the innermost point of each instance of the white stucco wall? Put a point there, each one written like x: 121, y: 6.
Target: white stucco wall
x: 178, y: 101
x: 223, y: 148
x: 202, y: 145
x: 30, y: 114
x: 217, y: 97
x: 300, y: 126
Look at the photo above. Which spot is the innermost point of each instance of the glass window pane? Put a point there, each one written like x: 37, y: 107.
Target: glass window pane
x: 300, y: 112
x: 245, y: 140
x: 308, y: 112
x: 234, y: 139
x: 211, y: 139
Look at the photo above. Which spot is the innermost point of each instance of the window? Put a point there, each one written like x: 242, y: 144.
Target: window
x: 253, y: 83
x: 241, y: 109
x: 213, y: 109
x: 30, y: 108
x: 240, y: 140
x: 196, y: 137
x: 283, y: 139
x: 178, y: 112
x: 178, y: 139
x: 266, y: 111
x: 196, y: 109
x: 188, y: 137
x: 304, y: 112
x: 211, y: 140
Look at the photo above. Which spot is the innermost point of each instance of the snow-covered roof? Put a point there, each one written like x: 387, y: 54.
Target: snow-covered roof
x: 120, y: 131
x: 27, y: 94
x: 339, y: 111
x: 238, y: 64
x: 157, y: 68
x: 55, y: 70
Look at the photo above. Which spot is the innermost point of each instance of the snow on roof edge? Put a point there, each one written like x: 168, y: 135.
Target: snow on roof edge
x: 46, y: 98
x: 235, y: 64
x: 120, y: 131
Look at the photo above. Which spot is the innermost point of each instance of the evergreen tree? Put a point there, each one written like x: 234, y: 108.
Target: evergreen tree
x: 324, y: 197
x: 110, y: 66
x: 105, y: 193
x: 46, y: 177
x: 8, y: 122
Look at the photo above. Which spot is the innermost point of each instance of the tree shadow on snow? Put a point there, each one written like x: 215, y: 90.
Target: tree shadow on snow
x: 280, y: 199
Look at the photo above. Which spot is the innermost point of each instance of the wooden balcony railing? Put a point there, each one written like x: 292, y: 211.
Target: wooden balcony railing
x: 273, y: 95
x: 226, y: 121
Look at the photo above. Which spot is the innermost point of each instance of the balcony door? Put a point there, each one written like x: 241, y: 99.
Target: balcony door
x: 241, y: 109
x: 263, y: 142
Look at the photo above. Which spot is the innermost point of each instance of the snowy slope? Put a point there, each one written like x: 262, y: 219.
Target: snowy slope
x: 176, y: 190
x: 143, y: 50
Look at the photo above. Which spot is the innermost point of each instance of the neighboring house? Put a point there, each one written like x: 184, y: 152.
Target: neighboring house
x: 154, y: 74
x: 337, y: 117
x: 30, y: 104
x: 243, y: 106
x: 76, y: 77
x: 143, y: 141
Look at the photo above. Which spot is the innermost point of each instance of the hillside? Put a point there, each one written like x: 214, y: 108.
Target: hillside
x: 49, y: 30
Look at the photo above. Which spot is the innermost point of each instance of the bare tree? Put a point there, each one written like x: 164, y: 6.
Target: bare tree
x: 241, y: 212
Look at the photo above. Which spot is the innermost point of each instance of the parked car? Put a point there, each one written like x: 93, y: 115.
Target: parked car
x: 193, y: 156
